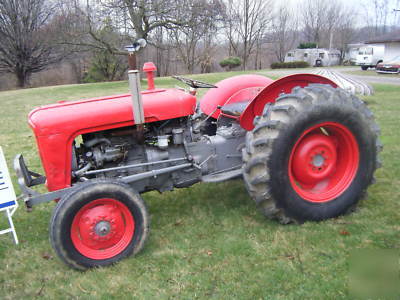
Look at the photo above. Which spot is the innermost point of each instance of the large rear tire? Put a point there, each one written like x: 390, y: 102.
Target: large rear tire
x: 311, y: 155
x: 98, y: 224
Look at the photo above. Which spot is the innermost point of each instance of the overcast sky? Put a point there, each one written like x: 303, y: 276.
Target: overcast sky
x: 363, y: 8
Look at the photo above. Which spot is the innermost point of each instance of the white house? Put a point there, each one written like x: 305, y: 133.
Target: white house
x: 392, y: 44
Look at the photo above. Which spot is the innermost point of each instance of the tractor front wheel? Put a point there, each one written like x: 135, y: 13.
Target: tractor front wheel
x: 311, y: 155
x: 98, y: 224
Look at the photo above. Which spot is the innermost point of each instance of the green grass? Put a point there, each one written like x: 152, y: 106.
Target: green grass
x: 207, y: 241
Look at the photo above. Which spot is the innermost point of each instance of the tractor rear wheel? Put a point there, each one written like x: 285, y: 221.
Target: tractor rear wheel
x: 311, y: 155
x: 98, y: 224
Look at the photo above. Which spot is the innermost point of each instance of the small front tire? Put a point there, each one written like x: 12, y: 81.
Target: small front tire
x: 98, y: 224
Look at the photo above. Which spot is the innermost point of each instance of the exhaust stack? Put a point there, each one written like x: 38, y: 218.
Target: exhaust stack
x: 134, y: 80
x: 137, y: 104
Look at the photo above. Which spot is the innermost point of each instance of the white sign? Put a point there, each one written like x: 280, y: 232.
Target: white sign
x: 8, y: 200
x: 7, y: 194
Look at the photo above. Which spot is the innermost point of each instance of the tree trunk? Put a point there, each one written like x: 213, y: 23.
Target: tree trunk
x: 78, y: 69
x: 258, y: 54
x: 167, y: 61
x: 159, y: 61
x: 245, y: 56
x: 22, y: 78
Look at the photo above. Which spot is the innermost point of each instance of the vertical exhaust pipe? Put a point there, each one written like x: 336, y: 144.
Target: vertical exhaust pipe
x: 134, y: 81
x: 137, y: 104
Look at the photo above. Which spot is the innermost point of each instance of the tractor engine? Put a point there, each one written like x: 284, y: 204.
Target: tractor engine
x: 135, y: 150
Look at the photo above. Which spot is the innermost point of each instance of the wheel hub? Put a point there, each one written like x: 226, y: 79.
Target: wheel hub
x: 318, y: 160
x: 102, y: 228
x: 315, y: 158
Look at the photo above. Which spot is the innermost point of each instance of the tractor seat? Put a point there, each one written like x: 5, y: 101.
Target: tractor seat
x: 234, y: 109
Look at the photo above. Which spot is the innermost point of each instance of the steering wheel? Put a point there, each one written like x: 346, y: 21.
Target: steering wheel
x: 195, y: 83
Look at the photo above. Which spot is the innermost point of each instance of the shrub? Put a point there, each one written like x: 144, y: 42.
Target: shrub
x: 294, y: 64
x: 230, y: 62
x: 307, y: 46
x: 105, y: 66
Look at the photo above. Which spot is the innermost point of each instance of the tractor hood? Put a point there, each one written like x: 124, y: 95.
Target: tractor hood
x: 76, y: 117
x: 56, y: 126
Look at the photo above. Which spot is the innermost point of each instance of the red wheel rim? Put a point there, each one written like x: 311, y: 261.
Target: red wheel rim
x: 323, y: 162
x: 102, y: 229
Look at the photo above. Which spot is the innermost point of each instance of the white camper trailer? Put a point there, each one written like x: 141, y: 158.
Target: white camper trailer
x: 369, y: 56
x: 315, y: 57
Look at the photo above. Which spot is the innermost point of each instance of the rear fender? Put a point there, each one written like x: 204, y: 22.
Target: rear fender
x: 244, y: 95
x: 271, y: 92
x: 228, y: 88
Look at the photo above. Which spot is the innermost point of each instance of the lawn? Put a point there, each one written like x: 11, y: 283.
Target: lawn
x: 207, y: 241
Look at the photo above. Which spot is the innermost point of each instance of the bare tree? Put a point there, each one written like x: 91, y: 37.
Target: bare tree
x: 396, y: 15
x: 134, y: 19
x: 247, y: 22
x: 313, y: 15
x: 381, y: 10
x: 376, y: 15
x: 26, y: 38
x: 105, y: 65
x: 284, y: 32
x: 319, y: 19
x: 345, y: 32
x: 146, y: 15
x: 163, y: 48
x: 194, y: 40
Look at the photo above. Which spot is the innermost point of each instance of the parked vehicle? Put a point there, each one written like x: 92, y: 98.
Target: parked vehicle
x: 306, y: 149
x: 369, y: 56
x: 315, y: 57
x: 352, y: 52
x: 391, y: 67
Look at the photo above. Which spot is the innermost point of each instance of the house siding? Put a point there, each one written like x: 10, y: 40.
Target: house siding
x: 391, y: 51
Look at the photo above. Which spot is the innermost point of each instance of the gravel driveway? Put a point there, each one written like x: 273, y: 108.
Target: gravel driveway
x: 382, y: 79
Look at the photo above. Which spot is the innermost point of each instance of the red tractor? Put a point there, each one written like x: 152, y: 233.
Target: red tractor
x: 306, y: 150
